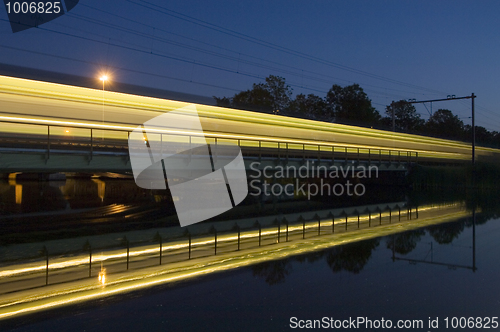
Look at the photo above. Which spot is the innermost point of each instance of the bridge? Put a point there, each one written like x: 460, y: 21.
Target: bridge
x: 48, y: 127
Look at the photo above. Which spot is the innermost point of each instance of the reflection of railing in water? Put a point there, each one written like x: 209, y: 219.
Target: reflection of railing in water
x: 64, y: 292
x: 236, y: 240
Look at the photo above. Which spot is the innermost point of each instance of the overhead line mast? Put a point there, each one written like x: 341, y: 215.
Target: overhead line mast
x: 452, y: 97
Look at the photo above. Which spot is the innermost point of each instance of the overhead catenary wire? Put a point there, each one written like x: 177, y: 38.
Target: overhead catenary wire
x: 162, y: 9
x: 239, y: 53
x: 190, y: 61
x: 275, y: 66
x: 115, y: 67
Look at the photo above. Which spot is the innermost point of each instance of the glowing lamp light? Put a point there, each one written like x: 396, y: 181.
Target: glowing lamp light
x: 102, y: 276
x: 104, y: 78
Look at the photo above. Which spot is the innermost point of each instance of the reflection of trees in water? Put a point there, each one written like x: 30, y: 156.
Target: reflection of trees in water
x: 404, y: 243
x: 351, y: 257
x: 481, y: 218
x: 311, y: 257
x: 354, y: 256
x: 487, y: 203
x: 446, y: 233
x: 274, y: 272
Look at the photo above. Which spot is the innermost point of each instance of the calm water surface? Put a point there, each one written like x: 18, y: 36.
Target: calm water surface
x: 422, y: 274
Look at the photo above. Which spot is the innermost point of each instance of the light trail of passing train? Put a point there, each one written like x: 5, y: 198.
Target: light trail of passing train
x: 37, y: 102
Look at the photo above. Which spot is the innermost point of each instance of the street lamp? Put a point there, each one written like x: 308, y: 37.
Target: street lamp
x: 103, y: 78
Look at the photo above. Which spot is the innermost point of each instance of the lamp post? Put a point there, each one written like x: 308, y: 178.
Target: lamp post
x: 103, y: 78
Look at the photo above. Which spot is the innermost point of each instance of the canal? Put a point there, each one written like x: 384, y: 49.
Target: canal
x: 418, y: 260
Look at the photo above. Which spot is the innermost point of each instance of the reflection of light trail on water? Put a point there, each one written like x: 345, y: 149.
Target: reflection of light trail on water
x: 135, y: 280
x: 222, y: 238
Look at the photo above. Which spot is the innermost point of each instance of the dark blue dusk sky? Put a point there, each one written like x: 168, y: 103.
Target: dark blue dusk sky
x: 393, y: 49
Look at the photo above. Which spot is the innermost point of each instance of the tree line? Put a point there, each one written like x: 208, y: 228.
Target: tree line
x: 351, y: 105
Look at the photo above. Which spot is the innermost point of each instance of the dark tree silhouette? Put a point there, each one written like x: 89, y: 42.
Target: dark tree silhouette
x: 483, y: 136
x: 310, y: 106
x: 406, y: 117
x: 271, y: 96
x: 280, y: 92
x: 274, y: 272
x: 222, y: 102
x: 310, y: 257
x: 446, y: 233
x: 351, y: 105
x: 444, y: 124
x: 404, y: 243
x: 259, y: 98
x: 351, y: 257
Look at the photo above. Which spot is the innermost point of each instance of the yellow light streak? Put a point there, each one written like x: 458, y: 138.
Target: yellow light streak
x: 222, y: 238
x: 140, y: 106
x: 453, y: 155
x: 156, y: 104
x: 224, y: 262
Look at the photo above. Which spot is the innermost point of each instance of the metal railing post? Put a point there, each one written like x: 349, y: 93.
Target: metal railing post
x: 286, y: 223
x: 304, y: 229
x: 260, y: 150
x: 48, y: 142
x: 91, y: 143
x: 190, y: 245
x: 215, y: 242
x: 190, y: 150
x: 214, y: 153
x: 287, y: 152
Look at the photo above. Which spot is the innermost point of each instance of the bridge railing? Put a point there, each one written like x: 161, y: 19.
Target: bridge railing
x: 61, y: 138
